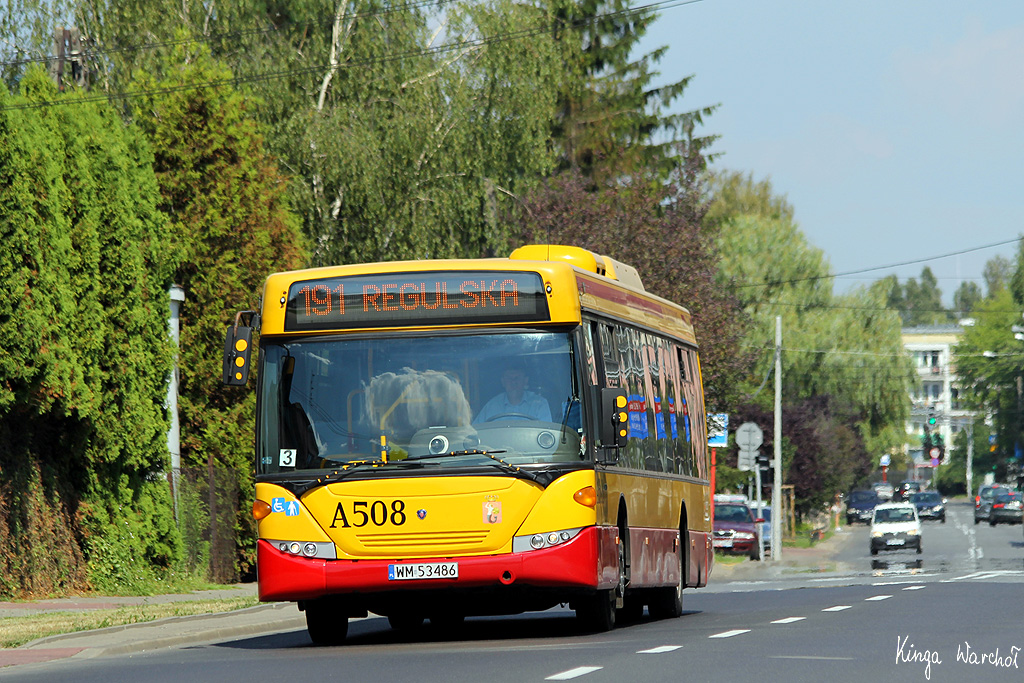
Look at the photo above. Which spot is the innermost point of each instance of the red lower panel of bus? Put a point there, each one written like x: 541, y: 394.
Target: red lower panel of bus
x: 655, y: 557
x: 587, y: 561
x: 702, y: 556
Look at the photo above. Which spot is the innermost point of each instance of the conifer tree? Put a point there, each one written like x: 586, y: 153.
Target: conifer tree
x: 82, y: 423
x: 613, y: 120
x: 230, y: 227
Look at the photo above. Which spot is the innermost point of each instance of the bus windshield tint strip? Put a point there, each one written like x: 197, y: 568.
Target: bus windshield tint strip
x: 413, y: 299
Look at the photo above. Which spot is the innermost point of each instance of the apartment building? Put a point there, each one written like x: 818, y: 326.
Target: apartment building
x: 936, y: 394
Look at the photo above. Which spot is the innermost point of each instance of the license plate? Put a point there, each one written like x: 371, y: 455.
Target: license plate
x: 423, y: 570
x: 726, y: 543
x: 894, y: 541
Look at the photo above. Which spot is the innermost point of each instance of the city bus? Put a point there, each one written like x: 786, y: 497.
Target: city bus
x: 449, y: 438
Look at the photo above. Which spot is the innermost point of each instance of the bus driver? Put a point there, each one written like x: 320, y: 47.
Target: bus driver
x: 516, y: 402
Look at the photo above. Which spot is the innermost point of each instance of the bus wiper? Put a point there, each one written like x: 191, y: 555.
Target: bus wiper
x: 495, y: 462
x: 348, y: 468
x: 431, y: 456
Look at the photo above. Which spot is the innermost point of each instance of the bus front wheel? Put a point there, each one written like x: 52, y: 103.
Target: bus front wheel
x: 596, y: 613
x: 326, y: 624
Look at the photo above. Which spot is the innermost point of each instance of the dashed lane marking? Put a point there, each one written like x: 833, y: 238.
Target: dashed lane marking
x: 817, y: 658
x: 659, y: 650
x: 876, y: 598
x: 984, y: 576
x: 836, y: 608
x: 788, y: 620
x: 573, y: 673
x: 730, y: 634
x: 914, y: 588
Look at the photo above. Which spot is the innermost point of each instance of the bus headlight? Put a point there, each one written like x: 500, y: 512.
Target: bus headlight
x: 319, y: 550
x: 521, y: 544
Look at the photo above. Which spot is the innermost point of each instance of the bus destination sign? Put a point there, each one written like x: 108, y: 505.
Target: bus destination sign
x: 414, y: 299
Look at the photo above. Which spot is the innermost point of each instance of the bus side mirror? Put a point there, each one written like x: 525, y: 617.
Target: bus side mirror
x: 614, y: 418
x: 237, y: 354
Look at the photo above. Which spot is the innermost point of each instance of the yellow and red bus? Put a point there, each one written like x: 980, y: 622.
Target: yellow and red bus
x: 447, y: 438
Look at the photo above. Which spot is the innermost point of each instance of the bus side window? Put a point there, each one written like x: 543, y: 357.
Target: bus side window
x: 696, y: 401
x: 684, y: 444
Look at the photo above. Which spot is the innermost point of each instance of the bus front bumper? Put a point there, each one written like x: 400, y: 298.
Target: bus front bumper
x: 587, y: 562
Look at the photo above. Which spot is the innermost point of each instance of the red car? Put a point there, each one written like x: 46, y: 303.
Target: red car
x: 736, y: 530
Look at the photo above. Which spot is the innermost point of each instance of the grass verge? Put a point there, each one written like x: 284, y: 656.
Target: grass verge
x: 15, y: 631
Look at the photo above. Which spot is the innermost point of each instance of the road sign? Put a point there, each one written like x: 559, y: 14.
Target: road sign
x: 746, y: 461
x: 749, y: 437
x: 718, y: 429
x: 884, y: 462
x: 934, y: 453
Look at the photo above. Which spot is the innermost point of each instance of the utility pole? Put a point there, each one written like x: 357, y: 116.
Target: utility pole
x: 777, y: 446
x: 176, y: 294
x: 68, y: 49
x: 970, y: 458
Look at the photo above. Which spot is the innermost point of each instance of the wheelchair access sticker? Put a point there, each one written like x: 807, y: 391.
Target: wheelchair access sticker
x: 289, y: 507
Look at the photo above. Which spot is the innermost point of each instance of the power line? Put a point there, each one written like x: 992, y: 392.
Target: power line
x: 875, y: 309
x: 868, y: 270
x: 881, y: 354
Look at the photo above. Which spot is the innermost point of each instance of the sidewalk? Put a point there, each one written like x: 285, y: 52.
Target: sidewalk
x: 819, y: 557
x: 132, y: 638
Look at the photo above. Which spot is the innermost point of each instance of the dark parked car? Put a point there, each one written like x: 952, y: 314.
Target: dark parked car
x: 736, y: 529
x: 884, y: 490
x: 930, y: 505
x: 983, y: 501
x: 860, y: 505
x: 905, y: 490
x: 1006, y: 508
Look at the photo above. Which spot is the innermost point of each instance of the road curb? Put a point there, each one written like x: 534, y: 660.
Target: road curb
x: 177, y: 631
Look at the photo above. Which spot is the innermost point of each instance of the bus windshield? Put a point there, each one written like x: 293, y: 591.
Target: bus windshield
x: 327, y: 402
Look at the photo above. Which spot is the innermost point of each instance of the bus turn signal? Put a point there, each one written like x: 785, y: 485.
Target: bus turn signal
x: 586, y: 496
x: 260, y: 509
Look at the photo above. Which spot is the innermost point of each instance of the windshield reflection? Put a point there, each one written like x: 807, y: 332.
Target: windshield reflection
x: 326, y: 402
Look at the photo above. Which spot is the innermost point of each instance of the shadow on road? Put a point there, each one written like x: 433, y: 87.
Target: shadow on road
x: 558, y: 626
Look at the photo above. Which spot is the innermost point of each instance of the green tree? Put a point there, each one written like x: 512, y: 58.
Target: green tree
x: 920, y: 303
x: 1016, y: 281
x: 989, y: 361
x: 997, y: 274
x: 844, y: 353
x: 231, y: 226
x: 398, y: 146
x: 422, y: 163
x: 83, y: 325
x: 966, y: 298
x: 612, y: 119
x: 658, y: 230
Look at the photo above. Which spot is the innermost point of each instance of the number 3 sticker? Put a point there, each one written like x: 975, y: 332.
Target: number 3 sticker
x: 287, y: 457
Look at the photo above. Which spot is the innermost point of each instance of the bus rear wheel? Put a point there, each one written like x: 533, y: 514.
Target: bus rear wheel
x: 667, y: 603
x: 326, y: 624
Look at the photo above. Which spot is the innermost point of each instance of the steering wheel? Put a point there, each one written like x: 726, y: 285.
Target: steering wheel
x: 520, y: 416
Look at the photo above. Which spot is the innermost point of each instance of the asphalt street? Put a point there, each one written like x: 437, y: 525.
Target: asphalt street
x: 957, y: 551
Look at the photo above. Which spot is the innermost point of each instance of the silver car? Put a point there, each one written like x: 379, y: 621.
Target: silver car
x: 983, y: 501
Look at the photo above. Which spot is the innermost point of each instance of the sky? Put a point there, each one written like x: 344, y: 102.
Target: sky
x: 895, y: 129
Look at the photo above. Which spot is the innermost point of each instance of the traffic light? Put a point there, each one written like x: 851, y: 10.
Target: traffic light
x: 764, y: 461
x: 926, y: 440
